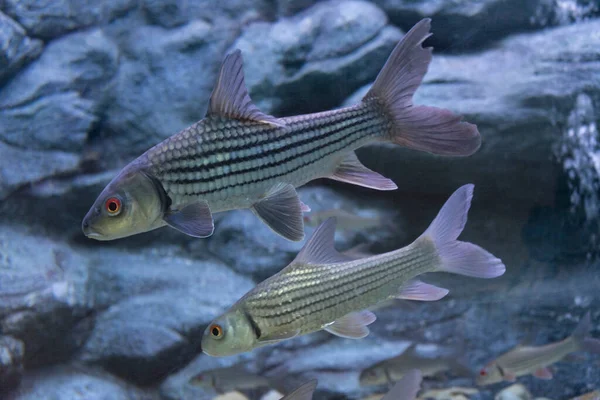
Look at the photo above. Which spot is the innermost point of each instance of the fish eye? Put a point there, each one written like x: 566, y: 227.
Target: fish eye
x: 216, y: 331
x: 113, y: 206
x: 483, y: 372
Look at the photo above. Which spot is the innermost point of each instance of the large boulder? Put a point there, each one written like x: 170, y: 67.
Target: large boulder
x: 466, y: 25
x: 50, y: 19
x: 153, y: 307
x: 16, y: 48
x: 49, y: 109
x: 311, y: 61
x: 69, y: 383
x: 520, y: 95
x: 43, y: 292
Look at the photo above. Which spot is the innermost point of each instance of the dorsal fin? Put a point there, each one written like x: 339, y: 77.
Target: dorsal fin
x: 319, y: 249
x: 230, y: 97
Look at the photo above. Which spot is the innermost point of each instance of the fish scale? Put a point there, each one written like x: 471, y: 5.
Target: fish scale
x: 323, y: 294
x: 192, y: 164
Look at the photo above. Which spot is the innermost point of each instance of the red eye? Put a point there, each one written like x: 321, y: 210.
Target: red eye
x: 482, y: 372
x: 113, y: 205
x: 216, y: 331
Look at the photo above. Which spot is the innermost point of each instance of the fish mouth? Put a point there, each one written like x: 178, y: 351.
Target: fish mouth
x: 90, y: 232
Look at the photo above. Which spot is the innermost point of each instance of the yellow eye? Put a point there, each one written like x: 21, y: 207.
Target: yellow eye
x: 216, y: 331
x: 113, y: 206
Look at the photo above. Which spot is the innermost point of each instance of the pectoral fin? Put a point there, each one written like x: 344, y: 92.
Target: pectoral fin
x: 353, y: 325
x: 277, y: 337
x: 543, y: 373
x: 352, y: 171
x: 194, y: 219
x: 281, y: 209
x: 417, y: 290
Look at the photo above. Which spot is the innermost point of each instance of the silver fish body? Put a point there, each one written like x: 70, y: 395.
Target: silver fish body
x: 238, y: 157
x: 228, y: 379
x: 322, y: 289
x: 535, y: 360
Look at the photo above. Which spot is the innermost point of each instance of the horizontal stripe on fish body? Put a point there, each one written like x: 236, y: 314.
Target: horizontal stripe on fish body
x: 307, y: 297
x: 256, y: 156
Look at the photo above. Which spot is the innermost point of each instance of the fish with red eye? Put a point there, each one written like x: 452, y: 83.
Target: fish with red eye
x: 113, y: 206
x: 483, y: 372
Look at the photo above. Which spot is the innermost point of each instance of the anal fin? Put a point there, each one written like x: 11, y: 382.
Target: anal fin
x: 353, y: 325
x: 194, y: 219
x: 417, y: 290
x: 543, y: 373
x: 281, y: 210
x: 352, y: 171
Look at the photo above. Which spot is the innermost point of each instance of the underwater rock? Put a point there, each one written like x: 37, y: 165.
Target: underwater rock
x: 42, y: 288
x: 514, y: 392
x: 16, y: 49
x: 152, y: 313
x: 69, y: 383
x: 467, y: 25
x: 49, y: 19
x: 312, y: 61
x: 172, y: 13
x: 11, y: 363
x: 519, y: 94
x: 163, y: 85
x: 250, y: 247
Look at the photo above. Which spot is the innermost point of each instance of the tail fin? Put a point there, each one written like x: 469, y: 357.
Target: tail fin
x: 580, y: 335
x: 430, y: 129
x: 458, y: 257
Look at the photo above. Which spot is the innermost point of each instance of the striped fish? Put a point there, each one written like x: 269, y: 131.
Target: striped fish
x: 325, y: 290
x: 535, y: 360
x: 238, y: 157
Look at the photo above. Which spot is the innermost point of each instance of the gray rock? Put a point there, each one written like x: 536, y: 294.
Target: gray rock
x: 33, y: 166
x: 47, y: 111
x: 69, y: 383
x: 333, y: 46
x: 42, y: 287
x: 48, y: 20
x: 252, y: 248
x: 11, y: 363
x: 163, y: 85
x: 16, y: 49
x: 465, y: 25
x: 154, y: 312
x: 520, y: 95
x: 171, y: 13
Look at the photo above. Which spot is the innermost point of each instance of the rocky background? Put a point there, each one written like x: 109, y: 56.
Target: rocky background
x: 86, y: 86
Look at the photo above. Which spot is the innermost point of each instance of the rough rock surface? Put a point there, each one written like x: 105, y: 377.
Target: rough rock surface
x: 50, y: 19
x: 69, y: 383
x: 334, y: 46
x: 11, y: 363
x: 465, y: 25
x: 152, y: 312
x: 16, y: 48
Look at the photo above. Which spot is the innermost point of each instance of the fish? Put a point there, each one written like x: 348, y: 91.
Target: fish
x: 535, y: 360
x: 228, y: 379
x: 406, y: 388
x: 238, y: 157
x: 322, y: 289
x: 304, y: 392
x: 393, y: 369
x: 345, y: 220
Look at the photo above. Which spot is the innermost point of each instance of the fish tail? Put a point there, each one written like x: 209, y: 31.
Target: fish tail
x: 458, y: 257
x: 582, y: 338
x: 424, y: 128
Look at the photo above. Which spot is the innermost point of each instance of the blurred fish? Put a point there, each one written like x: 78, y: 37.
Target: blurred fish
x: 525, y: 360
x: 345, y: 220
x: 393, y: 369
x: 239, y: 157
x: 304, y: 392
x: 406, y: 388
x: 323, y: 289
x: 228, y: 379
